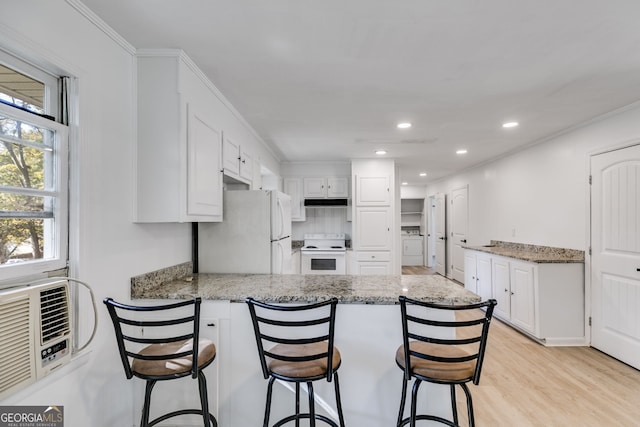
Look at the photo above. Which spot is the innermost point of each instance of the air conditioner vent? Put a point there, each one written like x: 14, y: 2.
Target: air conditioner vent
x: 54, y: 314
x: 15, y: 352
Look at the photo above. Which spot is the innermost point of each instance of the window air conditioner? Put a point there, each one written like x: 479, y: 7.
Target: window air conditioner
x: 35, y: 333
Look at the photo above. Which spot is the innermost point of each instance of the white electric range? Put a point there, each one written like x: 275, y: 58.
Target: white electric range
x: 323, y: 254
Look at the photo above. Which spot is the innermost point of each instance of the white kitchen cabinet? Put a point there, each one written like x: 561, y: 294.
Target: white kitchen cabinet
x: 501, y: 286
x: 544, y: 300
x: 373, y: 190
x: 523, y: 296
x: 295, y: 262
x: 237, y: 162
x: 321, y: 187
x: 373, y: 263
x: 373, y: 218
x: 478, y: 274
x: 179, y: 144
x: 293, y: 187
x: 373, y: 228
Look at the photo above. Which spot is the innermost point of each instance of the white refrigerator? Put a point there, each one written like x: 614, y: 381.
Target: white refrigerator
x: 254, y: 236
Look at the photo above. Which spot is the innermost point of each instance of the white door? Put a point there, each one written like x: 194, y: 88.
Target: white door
x: 441, y: 233
x: 615, y: 240
x: 459, y: 220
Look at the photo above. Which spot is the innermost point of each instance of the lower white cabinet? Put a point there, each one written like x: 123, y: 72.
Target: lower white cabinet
x: 295, y: 262
x: 477, y: 271
x: 545, y: 300
x: 373, y: 263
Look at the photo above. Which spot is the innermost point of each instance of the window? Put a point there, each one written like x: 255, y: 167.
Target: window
x: 33, y: 172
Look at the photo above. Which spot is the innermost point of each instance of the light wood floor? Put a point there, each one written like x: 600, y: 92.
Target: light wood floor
x: 417, y: 269
x: 526, y: 384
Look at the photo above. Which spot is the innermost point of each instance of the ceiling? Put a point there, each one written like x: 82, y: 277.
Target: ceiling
x: 328, y: 80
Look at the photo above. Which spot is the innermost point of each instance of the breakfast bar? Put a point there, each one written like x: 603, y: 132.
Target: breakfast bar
x: 368, y: 332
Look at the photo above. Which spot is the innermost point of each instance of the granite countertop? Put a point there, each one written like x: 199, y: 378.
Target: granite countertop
x: 304, y: 288
x: 531, y: 253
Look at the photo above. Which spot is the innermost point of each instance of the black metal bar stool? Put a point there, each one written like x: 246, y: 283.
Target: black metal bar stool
x: 169, y: 355
x: 295, y: 344
x: 431, y: 353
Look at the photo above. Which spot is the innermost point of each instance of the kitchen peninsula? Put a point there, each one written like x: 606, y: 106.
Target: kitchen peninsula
x: 368, y: 332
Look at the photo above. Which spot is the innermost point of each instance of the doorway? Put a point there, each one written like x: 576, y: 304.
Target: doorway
x: 615, y: 261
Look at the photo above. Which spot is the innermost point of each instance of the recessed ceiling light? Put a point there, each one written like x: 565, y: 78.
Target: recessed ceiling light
x: 381, y: 152
x: 423, y: 174
x: 461, y: 152
x: 405, y: 183
x: 510, y: 124
x: 404, y: 125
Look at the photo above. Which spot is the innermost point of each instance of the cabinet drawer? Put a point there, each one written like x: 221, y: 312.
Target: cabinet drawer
x: 373, y: 256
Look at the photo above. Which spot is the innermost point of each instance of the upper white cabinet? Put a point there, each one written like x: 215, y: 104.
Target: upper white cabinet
x: 320, y: 187
x: 293, y: 187
x: 373, y: 190
x: 179, y: 144
x: 237, y: 161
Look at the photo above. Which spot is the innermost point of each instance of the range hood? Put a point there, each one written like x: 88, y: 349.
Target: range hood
x: 325, y: 203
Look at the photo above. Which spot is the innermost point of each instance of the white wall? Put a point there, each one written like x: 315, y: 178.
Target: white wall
x: 107, y: 247
x: 540, y: 195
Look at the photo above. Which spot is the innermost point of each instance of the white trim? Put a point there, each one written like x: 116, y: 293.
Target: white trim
x: 60, y: 165
x: 101, y: 25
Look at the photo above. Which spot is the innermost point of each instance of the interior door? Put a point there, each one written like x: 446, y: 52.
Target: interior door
x: 459, y: 224
x: 615, y: 240
x: 441, y: 233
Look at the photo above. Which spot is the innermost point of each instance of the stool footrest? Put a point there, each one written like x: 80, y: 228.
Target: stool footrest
x: 164, y: 417
x: 305, y: 416
x: 407, y: 420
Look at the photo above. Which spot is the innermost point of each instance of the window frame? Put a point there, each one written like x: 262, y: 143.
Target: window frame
x: 59, y: 250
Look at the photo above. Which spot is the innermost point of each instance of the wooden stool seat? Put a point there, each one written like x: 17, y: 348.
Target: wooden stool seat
x: 444, y: 371
x: 206, y: 353
x: 304, y: 369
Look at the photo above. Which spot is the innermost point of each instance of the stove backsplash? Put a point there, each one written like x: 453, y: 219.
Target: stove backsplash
x: 322, y: 220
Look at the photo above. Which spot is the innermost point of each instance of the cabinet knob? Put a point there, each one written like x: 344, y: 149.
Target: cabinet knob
x: 511, y: 293
x: 211, y: 324
x: 506, y: 290
x: 373, y: 256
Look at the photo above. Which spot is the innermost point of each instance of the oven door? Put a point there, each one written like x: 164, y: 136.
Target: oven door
x: 321, y: 262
